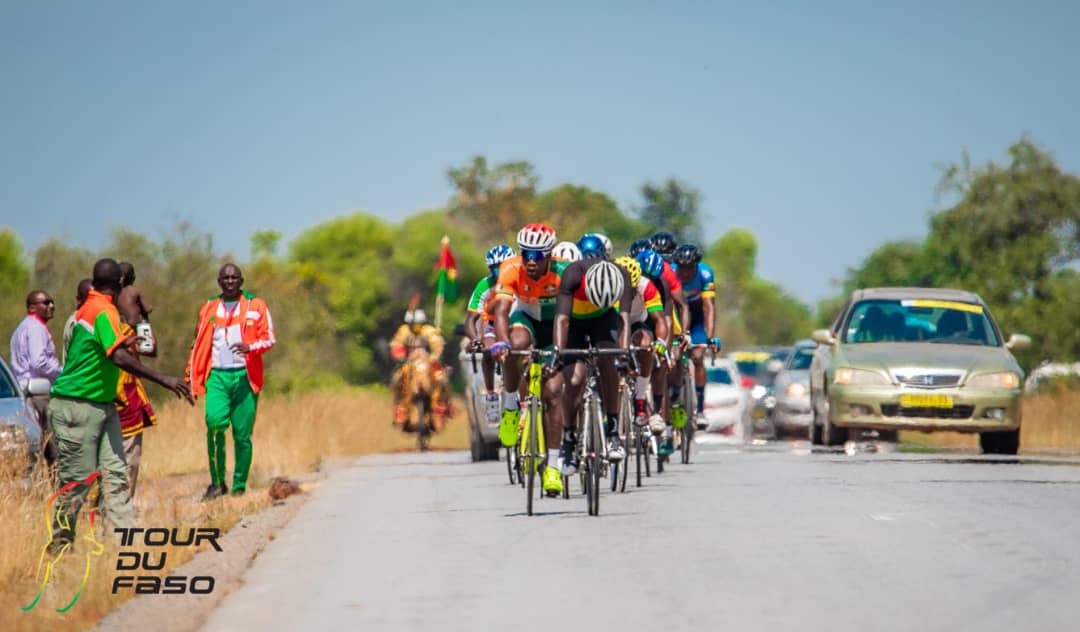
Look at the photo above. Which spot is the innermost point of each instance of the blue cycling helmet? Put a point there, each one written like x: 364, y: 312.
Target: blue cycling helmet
x: 497, y: 255
x: 652, y: 264
x: 591, y: 246
x: 635, y: 248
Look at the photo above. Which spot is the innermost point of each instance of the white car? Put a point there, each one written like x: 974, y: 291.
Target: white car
x: 20, y: 435
x: 483, y: 436
x: 727, y: 402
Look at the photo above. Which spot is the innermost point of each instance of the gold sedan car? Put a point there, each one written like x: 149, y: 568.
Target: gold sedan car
x: 916, y: 359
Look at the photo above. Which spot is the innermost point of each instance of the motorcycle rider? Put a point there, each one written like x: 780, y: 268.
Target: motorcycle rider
x: 418, y: 346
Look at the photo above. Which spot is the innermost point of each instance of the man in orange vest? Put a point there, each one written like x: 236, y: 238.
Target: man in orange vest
x: 234, y: 330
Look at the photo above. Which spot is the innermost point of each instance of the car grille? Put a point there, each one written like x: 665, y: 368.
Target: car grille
x: 929, y: 380
x: 956, y: 412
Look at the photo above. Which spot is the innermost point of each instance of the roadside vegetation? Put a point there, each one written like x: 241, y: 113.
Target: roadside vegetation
x: 294, y: 435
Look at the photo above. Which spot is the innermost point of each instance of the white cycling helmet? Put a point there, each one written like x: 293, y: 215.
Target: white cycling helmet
x: 536, y: 237
x: 604, y: 283
x: 567, y: 251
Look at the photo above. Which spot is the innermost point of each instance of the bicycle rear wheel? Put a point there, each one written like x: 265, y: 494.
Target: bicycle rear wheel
x: 593, y: 455
x: 626, y: 431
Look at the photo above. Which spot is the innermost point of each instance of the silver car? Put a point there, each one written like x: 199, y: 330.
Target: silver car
x: 791, y: 388
x: 20, y: 435
x: 483, y: 436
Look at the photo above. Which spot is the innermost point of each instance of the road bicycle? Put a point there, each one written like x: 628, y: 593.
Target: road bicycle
x: 531, y: 450
x: 592, y: 447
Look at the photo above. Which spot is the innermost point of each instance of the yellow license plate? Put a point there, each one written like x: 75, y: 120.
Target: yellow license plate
x: 759, y: 413
x: 926, y: 401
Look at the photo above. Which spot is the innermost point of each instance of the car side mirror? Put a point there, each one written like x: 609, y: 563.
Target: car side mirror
x: 1017, y: 342
x: 823, y: 337
x: 459, y: 329
x: 774, y: 366
x: 37, y: 386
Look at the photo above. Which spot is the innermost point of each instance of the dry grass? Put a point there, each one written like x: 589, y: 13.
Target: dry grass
x: 1051, y: 422
x: 292, y: 436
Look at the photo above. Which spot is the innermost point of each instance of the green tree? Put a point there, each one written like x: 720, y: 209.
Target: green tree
x: 348, y: 256
x: 672, y: 206
x: 14, y: 279
x: 575, y: 210
x: 894, y: 263
x: 493, y: 202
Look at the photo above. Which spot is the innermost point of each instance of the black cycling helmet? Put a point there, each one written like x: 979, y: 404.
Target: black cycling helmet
x: 638, y: 247
x: 687, y: 255
x: 664, y: 243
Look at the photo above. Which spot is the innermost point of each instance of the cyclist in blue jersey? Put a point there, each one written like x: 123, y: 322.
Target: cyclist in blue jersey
x: 699, y: 288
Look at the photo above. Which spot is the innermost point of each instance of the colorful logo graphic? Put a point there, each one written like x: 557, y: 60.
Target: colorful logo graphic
x: 60, y: 510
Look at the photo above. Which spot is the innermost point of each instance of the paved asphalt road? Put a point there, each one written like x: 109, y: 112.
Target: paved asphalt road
x: 768, y: 537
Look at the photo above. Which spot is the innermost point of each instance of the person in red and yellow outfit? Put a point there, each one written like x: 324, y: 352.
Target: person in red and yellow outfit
x: 226, y: 365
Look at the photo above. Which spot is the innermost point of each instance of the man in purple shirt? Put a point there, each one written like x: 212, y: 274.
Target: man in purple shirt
x: 33, y: 354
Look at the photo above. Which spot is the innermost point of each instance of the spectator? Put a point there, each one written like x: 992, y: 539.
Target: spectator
x: 233, y: 331
x: 80, y: 298
x: 135, y: 412
x: 133, y: 307
x: 82, y: 411
x: 33, y: 355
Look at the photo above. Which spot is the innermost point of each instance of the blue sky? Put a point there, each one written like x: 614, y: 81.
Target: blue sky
x: 820, y: 126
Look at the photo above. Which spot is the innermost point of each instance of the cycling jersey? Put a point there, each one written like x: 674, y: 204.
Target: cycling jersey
x: 671, y: 277
x: 573, y: 301
x: 701, y: 286
x: 535, y: 297
x: 647, y: 299
x: 482, y: 295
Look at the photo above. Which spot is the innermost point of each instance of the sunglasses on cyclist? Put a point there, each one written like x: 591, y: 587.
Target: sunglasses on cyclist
x: 535, y: 256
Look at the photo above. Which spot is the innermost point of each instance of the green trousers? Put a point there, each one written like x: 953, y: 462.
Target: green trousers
x: 229, y: 401
x: 88, y: 440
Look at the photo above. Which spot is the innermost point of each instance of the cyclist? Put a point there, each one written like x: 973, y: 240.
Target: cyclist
x: 603, y: 239
x: 589, y: 294
x: 566, y: 251
x: 700, y: 291
x: 648, y: 328
x: 478, y: 325
x: 653, y: 267
x: 531, y: 282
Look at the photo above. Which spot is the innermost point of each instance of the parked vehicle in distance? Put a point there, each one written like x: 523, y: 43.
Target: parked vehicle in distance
x: 1052, y: 374
x: 484, y: 442
x: 758, y: 367
x: 727, y: 402
x: 791, y: 388
x: 916, y: 359
x: 20, y: 435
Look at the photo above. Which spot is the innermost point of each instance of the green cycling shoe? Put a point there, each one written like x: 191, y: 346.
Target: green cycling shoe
x: 552, y: 480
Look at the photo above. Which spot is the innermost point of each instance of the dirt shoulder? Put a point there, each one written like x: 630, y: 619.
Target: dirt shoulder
x: 240, y: 546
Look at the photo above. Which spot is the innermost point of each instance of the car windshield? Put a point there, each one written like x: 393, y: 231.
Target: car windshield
x: 719, y: 375
x: 920, y: 320
x: 7, y: 386
x: 800, y: 360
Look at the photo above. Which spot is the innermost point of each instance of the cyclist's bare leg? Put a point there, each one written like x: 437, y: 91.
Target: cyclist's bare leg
x: 645, y: 361
x: 697, y: 355
x: 553, y: 413
x: 487, y: 366
x: 574, y: 377
x: 520, y: 340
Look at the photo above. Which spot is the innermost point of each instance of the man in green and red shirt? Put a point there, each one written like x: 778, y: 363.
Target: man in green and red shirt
x: 81, y: 407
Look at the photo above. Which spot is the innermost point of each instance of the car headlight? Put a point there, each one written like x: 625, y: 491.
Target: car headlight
x: 859, y: 377
x: 758, y: 391
x: 1004, y: 379
x: 795, y: 390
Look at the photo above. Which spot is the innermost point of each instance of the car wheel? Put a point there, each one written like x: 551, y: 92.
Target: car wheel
x: 830, y: 434
x: 815, y: 426
x: 1007, y: 442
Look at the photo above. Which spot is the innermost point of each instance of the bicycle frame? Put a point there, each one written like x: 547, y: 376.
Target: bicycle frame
x: 531, y: 446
